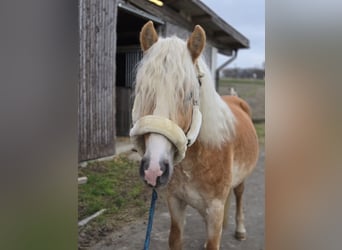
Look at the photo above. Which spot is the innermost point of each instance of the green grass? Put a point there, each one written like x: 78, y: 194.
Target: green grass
x: 260, y: 129
x: 246, y: 88
x: 116, y: 186
x: 225, y: 81
x: 252, y: 91
x: 112, y: 185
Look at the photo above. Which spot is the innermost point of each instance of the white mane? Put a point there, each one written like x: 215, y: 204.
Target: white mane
x: 166, y: 77
x: 218, y: 125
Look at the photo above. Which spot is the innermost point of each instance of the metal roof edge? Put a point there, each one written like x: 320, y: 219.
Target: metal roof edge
x: 221, y: 24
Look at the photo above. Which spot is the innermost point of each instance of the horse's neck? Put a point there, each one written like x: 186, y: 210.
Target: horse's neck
x: 218, y: 125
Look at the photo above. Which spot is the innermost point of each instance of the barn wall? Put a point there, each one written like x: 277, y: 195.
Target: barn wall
x: 97, y: 78
x: 172, y: 29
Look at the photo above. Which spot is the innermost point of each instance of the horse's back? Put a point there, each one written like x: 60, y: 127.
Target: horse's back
x: 237, y: 102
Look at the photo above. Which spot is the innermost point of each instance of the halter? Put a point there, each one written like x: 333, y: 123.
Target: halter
x: 168, y: 128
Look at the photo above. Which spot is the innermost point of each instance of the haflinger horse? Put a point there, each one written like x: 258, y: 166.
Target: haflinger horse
x: 199, y: 145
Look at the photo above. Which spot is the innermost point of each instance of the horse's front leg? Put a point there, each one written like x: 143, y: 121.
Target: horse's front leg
x: 177, y: 212
x: 214, y: 221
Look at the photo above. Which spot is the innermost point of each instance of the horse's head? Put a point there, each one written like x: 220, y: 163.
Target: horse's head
x: 166, y: 112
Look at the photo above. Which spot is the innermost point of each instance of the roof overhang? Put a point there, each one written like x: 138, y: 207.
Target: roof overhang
x: 222, y: 35
x: 191, y: 12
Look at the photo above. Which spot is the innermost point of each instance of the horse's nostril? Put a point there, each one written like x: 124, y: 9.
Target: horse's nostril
x: 165, y: 168
x: 164, y: 165
x: 143, y: 166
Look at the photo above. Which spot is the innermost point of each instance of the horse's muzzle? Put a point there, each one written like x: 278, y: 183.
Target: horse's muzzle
x: 155, y: 175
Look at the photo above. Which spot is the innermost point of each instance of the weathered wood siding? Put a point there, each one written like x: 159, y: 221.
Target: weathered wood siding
x: 97, y: 78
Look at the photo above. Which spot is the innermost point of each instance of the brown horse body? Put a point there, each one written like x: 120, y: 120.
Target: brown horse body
x: 166, y: 107
x: 205, y: 178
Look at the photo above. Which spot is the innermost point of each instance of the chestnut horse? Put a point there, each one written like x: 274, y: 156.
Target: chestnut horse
x: 198, y: 144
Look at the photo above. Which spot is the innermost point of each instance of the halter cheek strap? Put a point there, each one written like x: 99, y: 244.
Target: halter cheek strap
x: 195, y: 125
x: 196, y: 121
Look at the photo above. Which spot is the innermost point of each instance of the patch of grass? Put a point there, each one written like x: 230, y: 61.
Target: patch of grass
x: 246, y: 88
x: 260, y: 129
x: 225, y: 81
x: 252, y: 91
x: 116, y: 186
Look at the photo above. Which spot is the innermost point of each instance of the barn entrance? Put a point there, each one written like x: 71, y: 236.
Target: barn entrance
x: 128, y: 54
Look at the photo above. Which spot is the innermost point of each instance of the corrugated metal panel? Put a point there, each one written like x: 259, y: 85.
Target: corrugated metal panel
x: 132, y: 59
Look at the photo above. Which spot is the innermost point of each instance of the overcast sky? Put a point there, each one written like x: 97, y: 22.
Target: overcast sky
x: 248, y: 17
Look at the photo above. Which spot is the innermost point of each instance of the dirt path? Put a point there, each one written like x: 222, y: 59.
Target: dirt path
x: 132, y: 236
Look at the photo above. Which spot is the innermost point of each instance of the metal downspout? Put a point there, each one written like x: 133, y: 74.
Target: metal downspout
x: 217, y: 71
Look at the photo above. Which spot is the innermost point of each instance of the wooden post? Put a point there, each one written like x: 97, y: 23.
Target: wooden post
x: 96, y: 119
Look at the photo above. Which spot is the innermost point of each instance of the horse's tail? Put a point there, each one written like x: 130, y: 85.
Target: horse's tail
x: 226, y: 210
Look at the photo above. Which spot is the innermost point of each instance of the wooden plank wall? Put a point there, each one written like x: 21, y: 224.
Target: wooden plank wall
x: 96, y: 119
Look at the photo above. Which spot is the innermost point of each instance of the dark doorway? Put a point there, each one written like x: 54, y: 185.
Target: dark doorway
x: 129, y: 23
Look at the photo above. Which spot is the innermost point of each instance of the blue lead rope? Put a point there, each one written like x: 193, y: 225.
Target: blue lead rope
x: 150, y: 220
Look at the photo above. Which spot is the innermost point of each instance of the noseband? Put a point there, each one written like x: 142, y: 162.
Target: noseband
x: 169, y: 129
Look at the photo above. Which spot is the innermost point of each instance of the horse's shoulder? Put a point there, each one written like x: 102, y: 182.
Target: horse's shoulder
x: 235, y: 101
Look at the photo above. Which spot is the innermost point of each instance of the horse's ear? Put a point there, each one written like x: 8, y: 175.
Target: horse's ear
x: 196, y: 42
x: 148, y: 36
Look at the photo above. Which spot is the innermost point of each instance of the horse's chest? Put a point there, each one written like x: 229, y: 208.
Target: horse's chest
x: 191, y: 195
x: 185, y: 186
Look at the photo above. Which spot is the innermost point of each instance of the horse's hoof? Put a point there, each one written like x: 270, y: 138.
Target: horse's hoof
x: 240, y: 235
